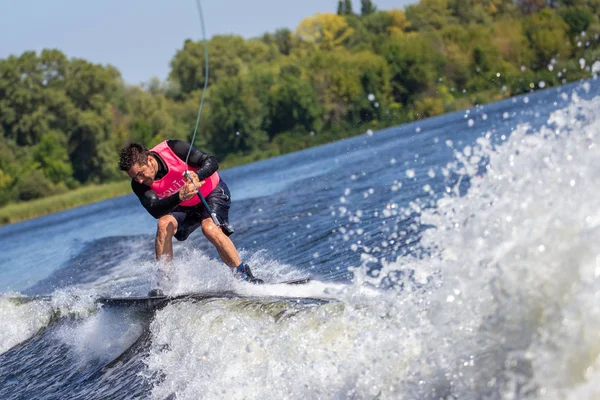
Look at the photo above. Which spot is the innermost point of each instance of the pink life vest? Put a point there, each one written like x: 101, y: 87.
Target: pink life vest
x: 174, y: 180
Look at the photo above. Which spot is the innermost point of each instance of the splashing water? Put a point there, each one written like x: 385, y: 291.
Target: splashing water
x: 20, y: 321
x: 517, y: 309
x: 503, y: 302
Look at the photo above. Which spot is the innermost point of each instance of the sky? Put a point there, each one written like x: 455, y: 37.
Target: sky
x: 140, y: 37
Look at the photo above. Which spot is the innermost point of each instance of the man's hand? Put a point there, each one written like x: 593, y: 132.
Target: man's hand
x: 191, y: 187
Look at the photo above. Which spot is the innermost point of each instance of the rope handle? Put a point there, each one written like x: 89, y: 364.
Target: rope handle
x: 213, y: 215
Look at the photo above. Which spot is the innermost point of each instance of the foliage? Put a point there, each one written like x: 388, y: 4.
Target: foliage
x: 345, y: 7
x: 235, y: 119
x: 415, y: 65
x: 547, y: 33
x: 293, y: 104
x: 327, y: 31
x: 428, y: 14
x: 577, y: 18
x: 63, y: 120
x: 51, y: 154
x: 367, y: 7
x: 283, y: 39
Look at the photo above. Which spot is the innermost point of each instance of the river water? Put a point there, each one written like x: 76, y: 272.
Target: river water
x: 453, y: 257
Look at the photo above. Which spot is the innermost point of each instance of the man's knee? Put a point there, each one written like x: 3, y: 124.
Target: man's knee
x: 210, y: 230
x: 167, y: 225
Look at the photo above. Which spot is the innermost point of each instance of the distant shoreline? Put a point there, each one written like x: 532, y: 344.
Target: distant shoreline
x: 22, y: 211
x: 17, y: 212
x: 89, y: 194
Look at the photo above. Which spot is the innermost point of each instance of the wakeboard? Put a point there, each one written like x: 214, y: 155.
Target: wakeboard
x: 153, y: 302
x: 156, y: 302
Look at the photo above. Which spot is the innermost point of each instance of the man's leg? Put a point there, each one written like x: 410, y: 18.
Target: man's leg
x: 227, y: 251
x: 166, y: 228
x: 219, y: 201
x: 222, y: 243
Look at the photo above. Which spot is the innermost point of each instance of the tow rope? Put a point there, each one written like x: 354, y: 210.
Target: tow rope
x: 213, y: 215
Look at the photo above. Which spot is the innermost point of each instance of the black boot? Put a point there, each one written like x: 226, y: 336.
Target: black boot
x: 243, y: 272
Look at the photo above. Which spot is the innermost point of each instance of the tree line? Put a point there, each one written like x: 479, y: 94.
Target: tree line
x: 62, y: 121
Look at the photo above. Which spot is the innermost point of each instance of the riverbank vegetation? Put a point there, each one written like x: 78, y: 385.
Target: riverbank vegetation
x: 63, y: 121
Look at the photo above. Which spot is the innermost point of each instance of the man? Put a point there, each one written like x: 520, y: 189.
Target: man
x: 159, y: 179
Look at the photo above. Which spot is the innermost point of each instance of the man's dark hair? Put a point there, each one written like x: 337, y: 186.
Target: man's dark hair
x: 131, y: 154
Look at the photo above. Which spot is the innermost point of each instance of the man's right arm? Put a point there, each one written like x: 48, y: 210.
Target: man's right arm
x: 156, y: 206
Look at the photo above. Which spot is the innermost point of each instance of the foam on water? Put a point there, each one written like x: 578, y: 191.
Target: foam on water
x: 193, y: 271
x: 102, y: 336
x: 519, y: 257
x: 504, y: 302
x: 21, y: 317
x: 20, y: 320
x: 243, y: 349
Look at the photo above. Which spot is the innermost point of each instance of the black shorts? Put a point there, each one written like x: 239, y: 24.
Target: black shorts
x: 190, y: 218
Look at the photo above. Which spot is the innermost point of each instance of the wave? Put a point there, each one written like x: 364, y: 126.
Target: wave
x: 514, y: 265
x: 502, y: 301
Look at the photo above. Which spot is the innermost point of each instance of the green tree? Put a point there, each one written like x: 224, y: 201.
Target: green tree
x: 52, y: 156
x: 594, y: 6
x: 399, y: 21
x: 229, y: 55
x: 6, y: 183
x: 150, y: 120
x: 348, y: 7
x: 455, y: 44
x: 546, y: 32
x: 89, y: 132
x: 46, y: 94
x: 91, y: 86
x: 33, y: 185
x: 378, y: 23
x: 344, y: 82
x: 256, y: 51
x: 375, y: 97
x: 262, y: 78
x: 293, y: 104
x: 428, y: 14
x: 326, y: 31
x: 428, y: 107
x: 235, y: 118
x: 344, y: 8
x: 414, y: 65
x: 336, y: 81
x: 188, y: 65
x: 362, y: 38
x: 472, y: 11
x: 578, y: 18
x: 367, y: 7
x: 183, y: 115
x: 10, y: 169
x: 509, y: 40
x: 22, y: 114
x: 282, y: 38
